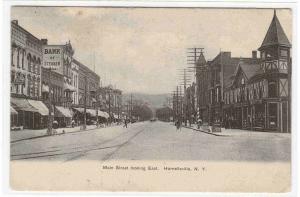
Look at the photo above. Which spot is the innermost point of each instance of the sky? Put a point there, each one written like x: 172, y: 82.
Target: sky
x: 143, y: 49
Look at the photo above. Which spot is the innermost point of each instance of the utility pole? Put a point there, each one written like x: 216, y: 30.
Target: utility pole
x: 85, y: 95
x: 193, y: 56
x: 50, y: 117
x: 131, y: 107
x: 109, y: 105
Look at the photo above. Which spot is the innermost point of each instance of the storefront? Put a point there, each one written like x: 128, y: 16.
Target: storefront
x: 40, y: 118
x: 90, y: 116
x: 63, y: 116
x: 13, y: 118
x: 31, y: 114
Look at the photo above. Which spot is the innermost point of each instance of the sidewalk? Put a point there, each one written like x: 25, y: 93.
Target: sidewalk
x: 30, y: 134
x: 236, y: 132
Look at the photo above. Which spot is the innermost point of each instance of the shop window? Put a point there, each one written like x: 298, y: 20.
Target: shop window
x: 273, y: 89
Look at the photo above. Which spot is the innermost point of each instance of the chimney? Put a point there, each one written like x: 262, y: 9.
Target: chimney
x: 44, y: 41
x: 15, y: 22
x: 254, y: 54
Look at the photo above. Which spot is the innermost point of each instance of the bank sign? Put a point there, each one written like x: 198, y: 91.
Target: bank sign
x: 52, y: 57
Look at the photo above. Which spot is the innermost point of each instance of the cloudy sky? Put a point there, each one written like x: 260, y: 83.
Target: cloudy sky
x: 141, y: 49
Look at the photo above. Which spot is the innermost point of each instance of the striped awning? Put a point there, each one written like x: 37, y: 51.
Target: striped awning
x: 40, y: 106
x: 92, y: 112
x: 103, y: 114
x: 21, y: 104
x: 62, y: 112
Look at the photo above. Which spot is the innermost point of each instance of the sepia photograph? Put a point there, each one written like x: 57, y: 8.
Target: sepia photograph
x: 130, y: 98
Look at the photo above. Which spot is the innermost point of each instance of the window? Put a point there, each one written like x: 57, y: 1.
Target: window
x: 12, y: 77
x: 243, y: 81
x: 263, y: 55
x: 29, y: 62
x: 23, y: 54
x: 283, y: 53
x: 18, y: 58
x: 273, y: 89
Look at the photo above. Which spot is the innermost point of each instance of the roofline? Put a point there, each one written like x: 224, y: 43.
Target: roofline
x: 23, y: 29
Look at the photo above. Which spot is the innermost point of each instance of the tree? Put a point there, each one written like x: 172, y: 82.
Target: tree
x: 142, y: 111
x: 164, y: 113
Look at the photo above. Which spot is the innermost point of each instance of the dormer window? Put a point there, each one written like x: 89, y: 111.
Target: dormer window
x: 243, y: 81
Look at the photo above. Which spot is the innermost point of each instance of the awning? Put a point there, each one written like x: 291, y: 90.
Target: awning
x: 40, y: 106
x: 92, y: 112
x: 68, y: 87
x: 79, y: 109
x: 21, y: 104
x: 13, y: 111
x: 45, y: 88
x: 103, y: 114
x: 106, y: 114
x: 62, y: 112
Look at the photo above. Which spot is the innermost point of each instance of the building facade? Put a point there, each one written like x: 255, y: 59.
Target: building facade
x: 58, y: 82
x: 26, y: 60
x: 248, y: 93
x: 88, y: 83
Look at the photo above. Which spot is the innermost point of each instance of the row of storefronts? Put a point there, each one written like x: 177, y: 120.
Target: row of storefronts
x: 46, y: 76
x: 33, y: 114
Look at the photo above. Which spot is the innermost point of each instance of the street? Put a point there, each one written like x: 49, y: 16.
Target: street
x: 154, y: 141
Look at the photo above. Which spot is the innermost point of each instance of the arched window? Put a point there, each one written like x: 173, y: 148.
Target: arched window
x: 12, y: 56
x: 29, y: 85
x: 23, y: 55
x: 18, y: 57
x: 33, y: 86
x: 38, y: 66
x: 34, y: 64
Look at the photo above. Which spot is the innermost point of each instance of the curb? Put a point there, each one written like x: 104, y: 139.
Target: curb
x: 215, y: 134
x: 42, y: 136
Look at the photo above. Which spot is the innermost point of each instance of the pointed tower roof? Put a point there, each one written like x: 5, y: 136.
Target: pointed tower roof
x: 201, y: 60
x: 275, y: 34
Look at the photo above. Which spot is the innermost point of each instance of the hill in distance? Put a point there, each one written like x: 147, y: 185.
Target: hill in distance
x: 154, y: 101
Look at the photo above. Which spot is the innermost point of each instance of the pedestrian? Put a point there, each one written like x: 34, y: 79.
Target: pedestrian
x: 178, y: 125
x: 125, y: 123
x: 73, y: 123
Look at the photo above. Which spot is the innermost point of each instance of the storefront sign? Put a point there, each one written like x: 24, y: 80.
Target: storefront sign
x: 52, y: 57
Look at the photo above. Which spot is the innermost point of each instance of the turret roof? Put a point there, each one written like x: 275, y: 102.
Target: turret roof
x: 201, y: 60
x: 275, y: 34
